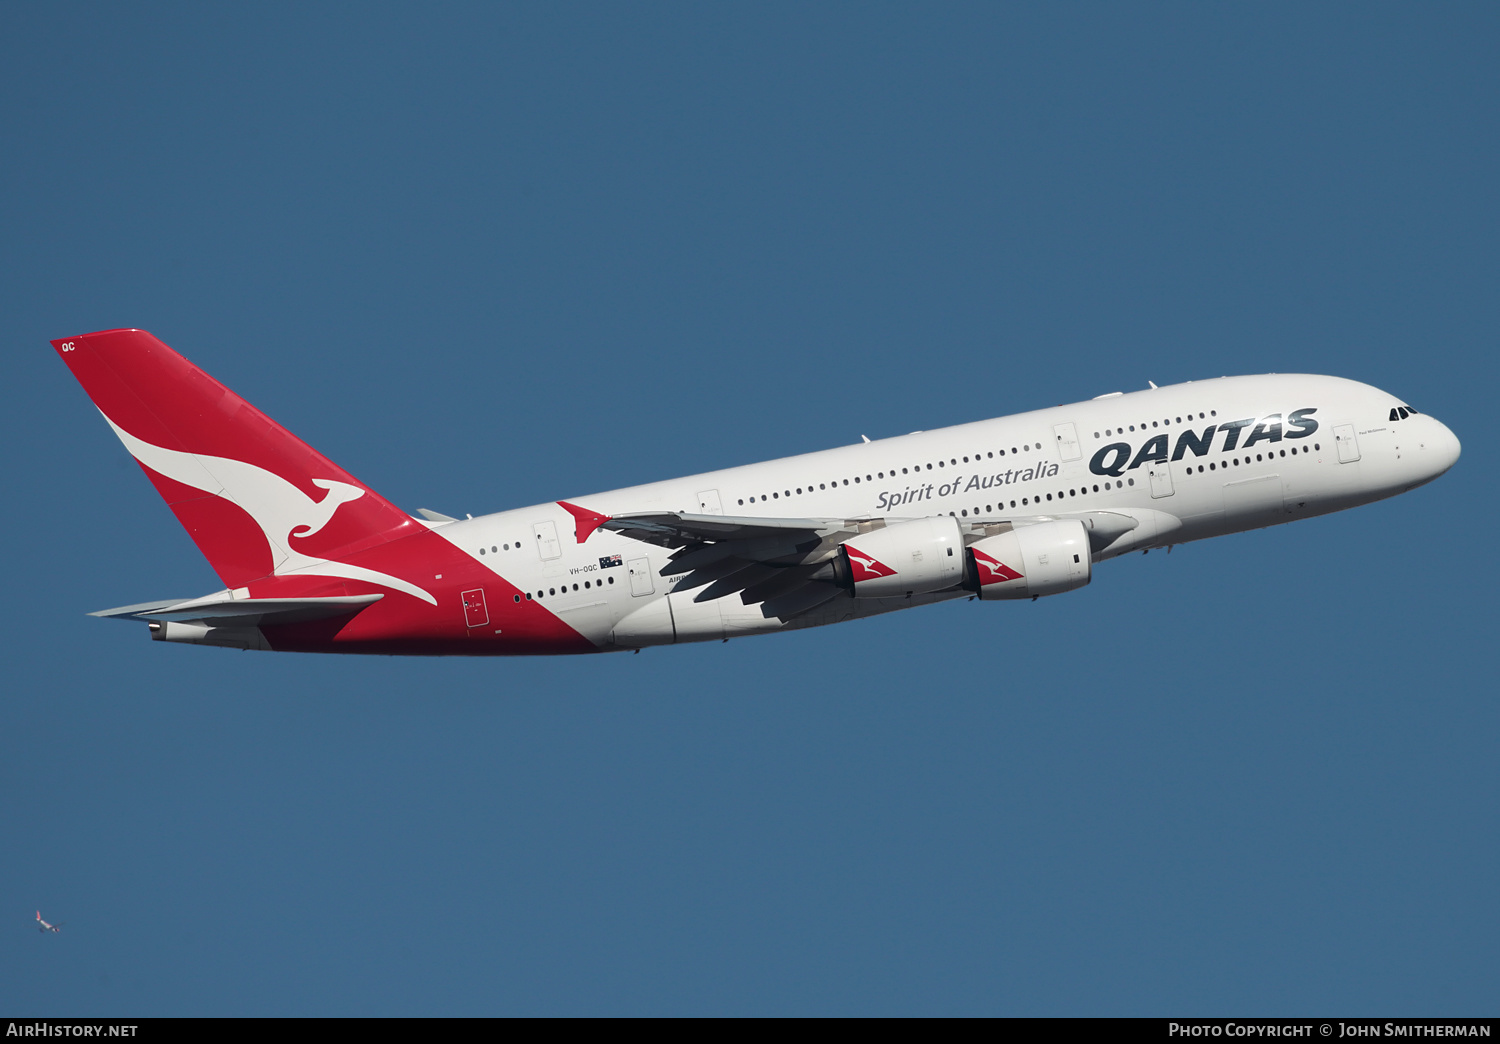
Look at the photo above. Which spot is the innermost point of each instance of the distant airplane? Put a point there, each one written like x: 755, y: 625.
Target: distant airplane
x: 44, y: 926
x: 313, y: 560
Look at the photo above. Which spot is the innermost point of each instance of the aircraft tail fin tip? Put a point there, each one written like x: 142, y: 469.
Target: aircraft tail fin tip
x: 255, y: 498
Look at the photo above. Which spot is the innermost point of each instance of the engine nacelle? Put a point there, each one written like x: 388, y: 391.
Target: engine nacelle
x: 1045, y: 559
x: 916, y: 557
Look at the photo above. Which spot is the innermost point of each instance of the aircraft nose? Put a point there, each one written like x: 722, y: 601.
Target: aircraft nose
x: 1442, y: 448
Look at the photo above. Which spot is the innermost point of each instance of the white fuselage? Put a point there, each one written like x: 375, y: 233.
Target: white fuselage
x: 1281, y: 447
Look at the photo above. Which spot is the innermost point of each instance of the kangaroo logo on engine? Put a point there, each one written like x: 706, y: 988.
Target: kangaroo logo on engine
x: 864, y: 567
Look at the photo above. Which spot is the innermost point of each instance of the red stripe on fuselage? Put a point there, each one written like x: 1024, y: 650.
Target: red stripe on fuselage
x: 403, y: 623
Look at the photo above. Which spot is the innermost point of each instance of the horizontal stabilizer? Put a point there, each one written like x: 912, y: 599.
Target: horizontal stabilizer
x: 131, y: 611
x: 435, y: 516
x: 219, y: 611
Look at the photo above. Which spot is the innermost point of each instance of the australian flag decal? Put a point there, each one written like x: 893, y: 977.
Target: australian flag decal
x: 609, y: 561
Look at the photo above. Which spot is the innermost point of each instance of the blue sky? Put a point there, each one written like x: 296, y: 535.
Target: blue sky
x: 491, y: 255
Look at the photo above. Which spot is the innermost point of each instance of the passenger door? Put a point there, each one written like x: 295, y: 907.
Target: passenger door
x: 1343, y: 434
x: 640, y: 576
x: 475, y: 614
x: 548, y: 546
x: 708, y: 503
x: 1161, y: 478
x: 1067, y: 440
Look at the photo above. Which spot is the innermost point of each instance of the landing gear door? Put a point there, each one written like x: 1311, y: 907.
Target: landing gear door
x: 1161, y: 478
x: 1343, y: 434
x: 1067, y: 440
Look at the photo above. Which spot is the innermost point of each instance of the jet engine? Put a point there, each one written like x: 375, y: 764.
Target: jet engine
x: 1030, y: 561
x: 906, y: 558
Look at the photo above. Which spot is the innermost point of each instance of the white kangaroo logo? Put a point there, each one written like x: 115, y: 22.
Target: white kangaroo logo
x: 870, y: 565
x: 997, y: 570
x: 280, y: 509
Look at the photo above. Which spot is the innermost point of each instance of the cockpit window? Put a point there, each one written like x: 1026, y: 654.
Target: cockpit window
x: 1401, y: 412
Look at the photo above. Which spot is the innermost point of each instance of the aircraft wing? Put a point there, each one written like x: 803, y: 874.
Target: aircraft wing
x: 779, y: 562
x: 764, y: 560
x: 675, y: 529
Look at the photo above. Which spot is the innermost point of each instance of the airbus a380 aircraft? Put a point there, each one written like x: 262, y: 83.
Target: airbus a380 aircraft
x: 1015, y: 508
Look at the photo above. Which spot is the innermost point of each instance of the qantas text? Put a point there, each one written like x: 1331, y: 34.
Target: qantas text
x: 1112, y: 459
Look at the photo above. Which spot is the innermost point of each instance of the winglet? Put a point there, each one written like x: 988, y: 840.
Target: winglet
x: 585, y: 521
